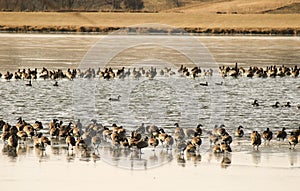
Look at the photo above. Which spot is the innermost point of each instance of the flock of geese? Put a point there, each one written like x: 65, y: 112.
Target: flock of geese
x: 260, y: 72
x: 88, y: 139
x: 152, y: 72
x: 106, y: 73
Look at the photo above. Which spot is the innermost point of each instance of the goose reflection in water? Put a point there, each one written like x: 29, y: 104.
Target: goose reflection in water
x: 226, y: 161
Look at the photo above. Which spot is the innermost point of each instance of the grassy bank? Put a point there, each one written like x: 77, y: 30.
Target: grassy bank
x: 106, y: 22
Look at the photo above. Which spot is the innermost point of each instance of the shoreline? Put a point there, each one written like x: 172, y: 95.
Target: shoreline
x: 104, y: 23
x: 106, y: 30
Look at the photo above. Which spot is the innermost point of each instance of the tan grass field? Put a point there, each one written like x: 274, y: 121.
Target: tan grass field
x: 76, y: 20
x: 233, y: 6
x: 234, y: 16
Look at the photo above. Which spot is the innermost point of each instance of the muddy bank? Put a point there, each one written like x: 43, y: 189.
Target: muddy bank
x: 107, y: 30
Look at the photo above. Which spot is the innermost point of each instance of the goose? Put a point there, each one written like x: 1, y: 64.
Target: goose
x: 217, y: 148
x: 196, y: 140
x: 142, y: 144
x: 198, y: 129
x: 153, y: 141
x: 293, y: 140
x: 152, y: 129
x: 106, y: 133
x: 169, y: 141
x: 224, y: 147
x: 12, y: 141
x: 53, y: 123
x: 41, y: 141
x: 226, y: 138
x: 255, y: 104
x: 190, y: 148
x: 29, y: 130
x: 267, y: 135
x: 179, y: 134
x: 189, y: 132
x: 80, y: 143
x: 54, y: 131
x: 255, y: 139
x: 141, y: 128
x: 37, y: 125
x: 134, y: 139
x: 221, y: 130
x: 55, y: 83
x: 162, y: 135
x: 281, y: 134
x: 22, y: 135
x: 70, y: 141
x: 239, y: 132
x: 297, y: 131
x: 96, y: 140
x: 115, y: 99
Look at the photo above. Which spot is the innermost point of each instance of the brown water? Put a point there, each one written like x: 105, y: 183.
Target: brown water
x: 162, y: 101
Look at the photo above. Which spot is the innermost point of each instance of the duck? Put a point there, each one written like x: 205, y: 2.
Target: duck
x: 255, y: 104
x: 115, y: 99
x: 255, y: 139
x: 267, y: 135
x: 219, y: 83
x: 204, y: 84
x: 276, y: 105
x: 55, y: 83
x: 288, y: 104
x: 281, y: 134
x: 29, y: 83
x: 239, y: 132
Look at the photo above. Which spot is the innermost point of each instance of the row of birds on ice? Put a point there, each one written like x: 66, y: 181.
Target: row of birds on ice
x: 188, y: 140
x: 136, y: 73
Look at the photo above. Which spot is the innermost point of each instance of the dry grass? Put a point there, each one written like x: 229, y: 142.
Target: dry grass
x: 195, y: 16
x: 233, y: 6
x: 52, y: 19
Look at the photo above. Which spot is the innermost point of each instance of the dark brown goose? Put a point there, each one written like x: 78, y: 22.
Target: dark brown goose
x: 281, y: 134
x: 255, y: 139
x: 267, y: 135
x: 153, y: 141
x: 239, y: 132
x: 293, y: 140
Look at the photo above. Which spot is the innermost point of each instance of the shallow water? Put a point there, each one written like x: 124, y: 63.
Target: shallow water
x: 162, y: 101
